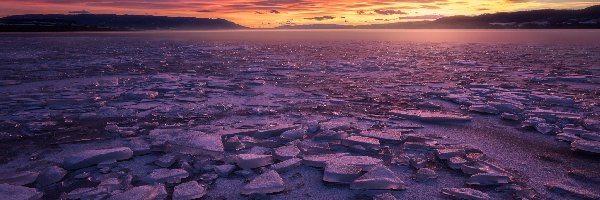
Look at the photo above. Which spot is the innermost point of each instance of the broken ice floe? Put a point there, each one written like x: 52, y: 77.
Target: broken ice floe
x: 93, y: 157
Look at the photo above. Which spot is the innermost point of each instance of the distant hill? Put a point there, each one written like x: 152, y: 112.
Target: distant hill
x: 588, y: 18
x: 108, y: 22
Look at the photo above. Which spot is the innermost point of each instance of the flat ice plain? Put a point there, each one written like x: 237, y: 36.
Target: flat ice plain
x: 318, y: 115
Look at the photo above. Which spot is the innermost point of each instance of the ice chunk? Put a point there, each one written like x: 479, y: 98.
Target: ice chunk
x: 592, y: 124
x: 456, y: 162
x: 51, y: 175
x: 485, y: 109
x: 384, y: 196
x: 13, y: 192
x: 294, y: 134
x: 572, y: 191
x: 166, y: 175
x: 425, y: 174
x: 273, y: 131
x: 378, y: 178
x: 330, y: 135
x: 508, y: 107
x: 509, y: 116
x: 188, y: 191
x: 393, y: 136
x: 341, y: 173
x: 139, y: 146
x: 198, y: 144
x: 266, y: 183
x: 146, y: 192
x: 428, y: 116
x: 448, y: 153
x: 365, y: 162
x: 362, y: 141
x: 19, y: 178
x: 592, y: 176
x: 166, y: 160
x: 249, y: 161
x: 286, y: 152
x: 320, y: 160
x: 313, y: 127
x: 87, y: 193
x: 487, y: 179
x: 110, y: 184
x: 286, y: 165
x: 93, y: 157
x: 586, y: 146
x: 224, y: 170
x: 259, y: 150
x: 465, y: 193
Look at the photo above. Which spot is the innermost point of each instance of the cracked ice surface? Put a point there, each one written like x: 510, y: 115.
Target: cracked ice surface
x: 111, y: 117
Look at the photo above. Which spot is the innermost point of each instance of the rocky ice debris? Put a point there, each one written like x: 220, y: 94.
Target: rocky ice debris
x: 250, y: 161
x: 286, y: 152
x: 50, y: 176
x: 166, y: 176
x: 93, y: 157
x: 485, y: 109
x: 198, y: 144
x: 378, y: 178
x: 341, y: 173
x: 572, y: 191
x: 146, y: 192
x: 188, y: 191
x: 488, y: 179
x: 266, y: 183
x: 286, y: 165
x: 14, y: 192
x: 465, y: 193
x: 429, y: 116
x: 586, y: 146
x: 19, y: 178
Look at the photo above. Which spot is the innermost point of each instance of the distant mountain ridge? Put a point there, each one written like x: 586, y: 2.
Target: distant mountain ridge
x: 588, y: 18
x: 108, y: 22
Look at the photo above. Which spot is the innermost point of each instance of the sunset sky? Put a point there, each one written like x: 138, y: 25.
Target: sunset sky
x: 271, y: 13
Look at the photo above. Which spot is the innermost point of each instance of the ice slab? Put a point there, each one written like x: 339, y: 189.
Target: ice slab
x: 93, y: 157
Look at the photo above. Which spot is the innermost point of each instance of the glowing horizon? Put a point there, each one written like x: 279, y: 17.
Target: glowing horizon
x: 272, y: 13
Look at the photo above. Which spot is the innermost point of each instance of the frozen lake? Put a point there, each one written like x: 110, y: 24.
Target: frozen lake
x: 527, y: 36
x: 516, y: 110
